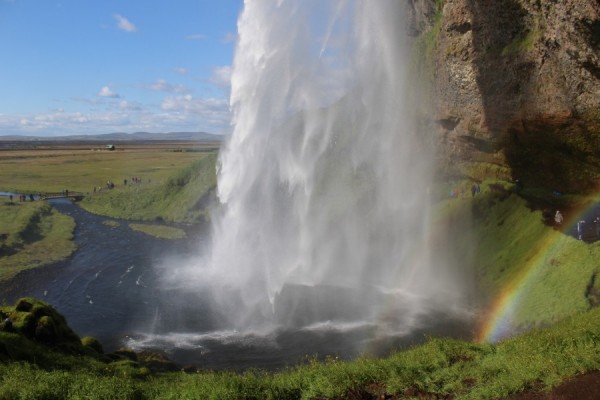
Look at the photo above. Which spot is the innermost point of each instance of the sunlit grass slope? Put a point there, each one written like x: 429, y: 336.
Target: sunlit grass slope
x: 181, y: 197
x: 546, y: 272
x: 32, y: 234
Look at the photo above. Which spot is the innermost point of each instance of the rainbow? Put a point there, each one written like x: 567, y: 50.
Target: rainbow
x: 497, y: 323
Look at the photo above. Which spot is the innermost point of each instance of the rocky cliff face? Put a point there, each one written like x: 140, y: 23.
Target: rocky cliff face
x: 516, y: 88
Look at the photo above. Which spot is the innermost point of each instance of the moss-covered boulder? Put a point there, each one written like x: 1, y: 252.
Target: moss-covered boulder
x: 33, y: 332
x: 92, y: 343
x: 157, y: 361
x: 38, y: 321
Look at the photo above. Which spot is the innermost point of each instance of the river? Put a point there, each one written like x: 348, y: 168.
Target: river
x: 110, y: 288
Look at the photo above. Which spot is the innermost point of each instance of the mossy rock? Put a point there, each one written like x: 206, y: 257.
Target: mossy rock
x: 24, y: 305
x: 46, y: 331
x: 93, y: 343
x: 24, y: 323
x: 157, y: 361
x: 126, y: 354
x: 39, y: 321
x: 4, y: 353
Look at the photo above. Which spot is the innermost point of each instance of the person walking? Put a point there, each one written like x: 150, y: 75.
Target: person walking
x: 580, y: 228
x: 558, y: 218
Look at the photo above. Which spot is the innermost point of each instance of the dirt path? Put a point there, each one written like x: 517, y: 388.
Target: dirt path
x: 581, y: 387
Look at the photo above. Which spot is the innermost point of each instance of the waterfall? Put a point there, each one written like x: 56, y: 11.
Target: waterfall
x: 324, y: 185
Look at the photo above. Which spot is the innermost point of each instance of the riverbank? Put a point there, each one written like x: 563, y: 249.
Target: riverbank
x: 32, y: 234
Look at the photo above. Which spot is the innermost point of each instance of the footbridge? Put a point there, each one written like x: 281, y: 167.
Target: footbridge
x: 63, y: 195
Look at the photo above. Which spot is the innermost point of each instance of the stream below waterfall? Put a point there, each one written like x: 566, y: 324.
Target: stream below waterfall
x: 110, y: 289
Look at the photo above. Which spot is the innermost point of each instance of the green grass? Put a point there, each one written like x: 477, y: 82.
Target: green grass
x: 181, y: 197
x: 159, y: 231
x: 112, y: 224
x: 32, y: 234
x: 424, y: 50
x: 82, y: 169
x: 525, y: 42
x: 441, y: 367
x: 512, y: 250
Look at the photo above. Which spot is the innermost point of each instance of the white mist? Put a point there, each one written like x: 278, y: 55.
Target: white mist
x: 324, y: 213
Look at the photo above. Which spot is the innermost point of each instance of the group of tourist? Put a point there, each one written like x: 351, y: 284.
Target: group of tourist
x: 111, y: 185
x: 475, y: 190
x: 23, y: 197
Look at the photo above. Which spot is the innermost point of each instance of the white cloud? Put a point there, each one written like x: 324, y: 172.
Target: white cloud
x: 62, y: 123
x: 221, y: 76
x: 181, y: 71
x: 124, y: 24
x: 106, y: 92
x: 128, y: 105
x: 197, y: 36
x: 162, y: 85
x: 176, y: 113
x: 212, y: 110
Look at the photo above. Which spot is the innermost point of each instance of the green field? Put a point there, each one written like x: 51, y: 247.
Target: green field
x: 174, y: 183
x: 81, y: 167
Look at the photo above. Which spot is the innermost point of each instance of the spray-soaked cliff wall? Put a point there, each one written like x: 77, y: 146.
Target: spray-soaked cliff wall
x: 515, y: 88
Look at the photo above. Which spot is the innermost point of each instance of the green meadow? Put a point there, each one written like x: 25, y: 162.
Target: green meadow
x: 81, y: 167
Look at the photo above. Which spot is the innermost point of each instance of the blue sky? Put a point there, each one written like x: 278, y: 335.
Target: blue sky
x: 99, y: 66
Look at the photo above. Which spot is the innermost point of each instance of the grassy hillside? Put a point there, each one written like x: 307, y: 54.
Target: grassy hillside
x: 541, y: 272
x: 182, y: 197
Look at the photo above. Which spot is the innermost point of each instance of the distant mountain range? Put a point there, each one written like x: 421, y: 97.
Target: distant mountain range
x: 121, y: 137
